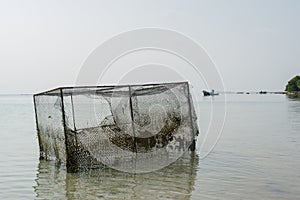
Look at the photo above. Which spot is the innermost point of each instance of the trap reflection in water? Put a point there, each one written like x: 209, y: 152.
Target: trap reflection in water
x: 175, y: 181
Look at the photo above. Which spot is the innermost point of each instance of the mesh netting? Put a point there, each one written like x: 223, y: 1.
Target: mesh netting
x: 134, y: 128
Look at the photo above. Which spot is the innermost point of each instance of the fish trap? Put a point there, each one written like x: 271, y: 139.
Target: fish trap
x: 127, y: 127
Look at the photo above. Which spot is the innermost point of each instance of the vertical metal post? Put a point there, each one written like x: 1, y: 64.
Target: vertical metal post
x: 132, y: 119
x: 71, y: 161
x: 37, y: 128
x: 192, y: 147
x: 73, y: 112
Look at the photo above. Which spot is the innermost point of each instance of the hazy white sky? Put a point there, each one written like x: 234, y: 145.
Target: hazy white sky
x: 43, y: 44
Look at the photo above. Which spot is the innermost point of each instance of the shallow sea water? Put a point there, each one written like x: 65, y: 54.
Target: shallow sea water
x: 257, y: 157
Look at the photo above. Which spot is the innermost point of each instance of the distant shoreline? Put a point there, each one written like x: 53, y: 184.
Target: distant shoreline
x: 295, y: 94
x: 15, y: 94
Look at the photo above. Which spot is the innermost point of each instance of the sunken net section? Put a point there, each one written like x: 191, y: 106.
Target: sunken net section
x: 134, y: 128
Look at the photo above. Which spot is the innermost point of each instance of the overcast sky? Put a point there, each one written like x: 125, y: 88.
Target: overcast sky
x: 43, y: 44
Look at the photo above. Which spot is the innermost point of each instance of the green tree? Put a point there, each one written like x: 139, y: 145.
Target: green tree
x: 298, y: 84
x: 293, y: 84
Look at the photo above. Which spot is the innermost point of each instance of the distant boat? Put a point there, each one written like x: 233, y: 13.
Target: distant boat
x: 262, y: 92
x: 212, y: 93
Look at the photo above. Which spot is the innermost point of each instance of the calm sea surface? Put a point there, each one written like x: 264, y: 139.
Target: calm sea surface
x: 256, y: 157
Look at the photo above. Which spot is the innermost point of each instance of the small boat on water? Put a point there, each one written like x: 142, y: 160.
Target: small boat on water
x: 211, y: 93
x: 263, y: 92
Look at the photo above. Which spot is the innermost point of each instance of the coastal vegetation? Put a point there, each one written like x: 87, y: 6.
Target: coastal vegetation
x: 293, y: 84
x: 293, y: 87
